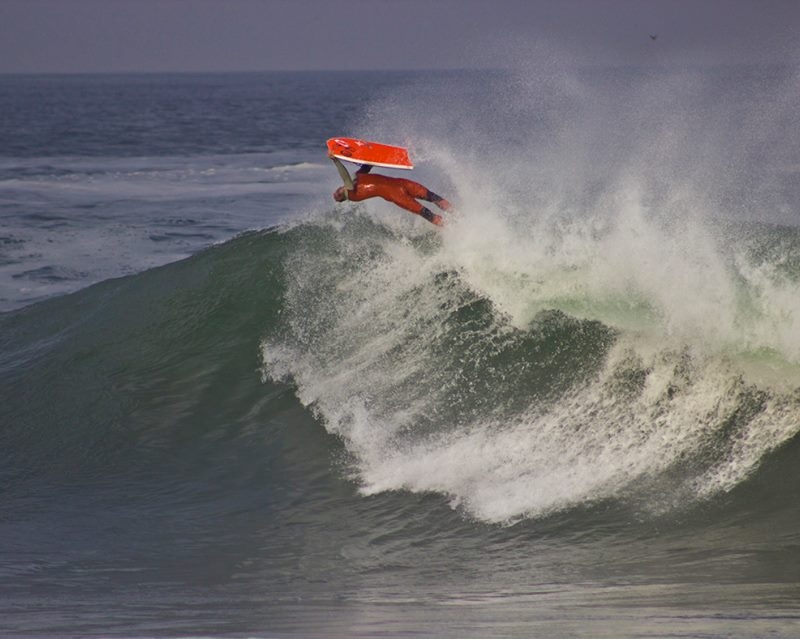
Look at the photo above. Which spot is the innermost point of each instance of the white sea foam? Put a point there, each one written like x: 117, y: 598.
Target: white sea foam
x: 361, y: 363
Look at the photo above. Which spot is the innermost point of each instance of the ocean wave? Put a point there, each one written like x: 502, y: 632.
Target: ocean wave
x: 517, y: 393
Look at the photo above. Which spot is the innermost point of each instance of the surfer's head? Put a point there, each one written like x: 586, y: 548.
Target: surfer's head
x: 340, y: 194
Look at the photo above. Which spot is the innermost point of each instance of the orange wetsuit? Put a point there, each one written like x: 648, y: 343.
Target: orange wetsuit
x: 398, y: 191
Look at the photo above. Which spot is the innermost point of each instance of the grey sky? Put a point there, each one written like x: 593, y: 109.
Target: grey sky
x: 219, y: 35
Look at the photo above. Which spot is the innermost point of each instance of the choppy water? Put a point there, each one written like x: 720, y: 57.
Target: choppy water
x: 572, y: 412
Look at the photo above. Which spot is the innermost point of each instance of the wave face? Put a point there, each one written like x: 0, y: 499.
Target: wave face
x: 144, y: 457
x: 513, y: 394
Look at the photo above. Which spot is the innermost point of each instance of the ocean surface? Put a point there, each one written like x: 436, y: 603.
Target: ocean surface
x: 233, y: 408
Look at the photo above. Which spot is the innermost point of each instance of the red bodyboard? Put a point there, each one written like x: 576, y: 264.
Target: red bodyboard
x: 365, y: 152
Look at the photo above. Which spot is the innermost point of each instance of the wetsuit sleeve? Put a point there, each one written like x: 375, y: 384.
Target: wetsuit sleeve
x: 348, y: 181
x: 364, y: 168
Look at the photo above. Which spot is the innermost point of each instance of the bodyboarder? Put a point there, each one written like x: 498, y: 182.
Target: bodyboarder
x: 404, y: 193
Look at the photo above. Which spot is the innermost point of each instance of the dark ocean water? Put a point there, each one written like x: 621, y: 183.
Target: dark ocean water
x: 231, y: 409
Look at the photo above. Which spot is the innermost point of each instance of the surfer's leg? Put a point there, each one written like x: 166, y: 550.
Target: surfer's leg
x: 404, y: 200
x: 417, y: 190
x: 403, y: 194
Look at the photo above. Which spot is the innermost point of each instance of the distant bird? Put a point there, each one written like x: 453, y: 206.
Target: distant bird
x: 653, y: 37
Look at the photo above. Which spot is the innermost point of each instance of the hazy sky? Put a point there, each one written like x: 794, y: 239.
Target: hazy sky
x: 219, y: 35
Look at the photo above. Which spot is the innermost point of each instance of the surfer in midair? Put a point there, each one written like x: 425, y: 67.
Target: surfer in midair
x: 404, y: 193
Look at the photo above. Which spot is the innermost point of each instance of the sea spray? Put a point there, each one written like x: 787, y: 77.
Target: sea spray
x: 586, y: 328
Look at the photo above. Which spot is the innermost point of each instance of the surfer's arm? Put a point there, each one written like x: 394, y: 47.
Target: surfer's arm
x: 364, y: 168
x: 343, y: 173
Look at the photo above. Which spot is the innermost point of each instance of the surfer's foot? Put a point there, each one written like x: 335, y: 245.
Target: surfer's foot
x: 444, y: 205
x: 438, y: 200
x: 432, y: 217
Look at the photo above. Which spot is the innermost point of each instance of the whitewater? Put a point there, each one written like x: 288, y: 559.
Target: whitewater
x: 233, y: 408
x: 686, y: 334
